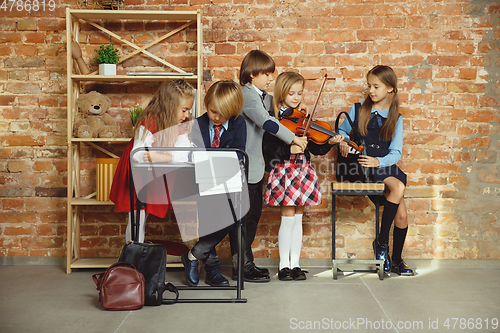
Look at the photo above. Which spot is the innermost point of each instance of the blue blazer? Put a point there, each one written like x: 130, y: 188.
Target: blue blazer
x: 234, y: 137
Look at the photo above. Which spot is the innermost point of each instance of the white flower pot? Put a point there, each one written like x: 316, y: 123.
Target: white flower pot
x: 107, y: 69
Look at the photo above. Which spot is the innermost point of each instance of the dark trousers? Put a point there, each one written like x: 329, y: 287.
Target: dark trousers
x: 215, y: 220
x: 249, y: 227
x: 204, y: 249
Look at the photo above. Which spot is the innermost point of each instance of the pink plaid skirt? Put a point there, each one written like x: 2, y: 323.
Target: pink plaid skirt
x: 293, y: 183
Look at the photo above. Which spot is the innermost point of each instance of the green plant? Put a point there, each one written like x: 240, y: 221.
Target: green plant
x: 135, y: 113
x: 107, y: 54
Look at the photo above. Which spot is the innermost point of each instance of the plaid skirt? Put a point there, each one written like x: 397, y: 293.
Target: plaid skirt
x: 293, y: 183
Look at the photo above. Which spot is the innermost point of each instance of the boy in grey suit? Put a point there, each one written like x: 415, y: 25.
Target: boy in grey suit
x: 255, y: 76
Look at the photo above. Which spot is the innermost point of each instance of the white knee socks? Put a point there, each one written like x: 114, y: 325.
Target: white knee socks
x: 296, y: 244
x: 285, y: 239
x: 142, y: 227
x: 290, y: 241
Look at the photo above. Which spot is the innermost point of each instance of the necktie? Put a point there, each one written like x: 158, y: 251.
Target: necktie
x: 263, y: 98
x: 216, y: 139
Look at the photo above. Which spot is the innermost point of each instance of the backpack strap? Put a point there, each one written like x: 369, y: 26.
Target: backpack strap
x: 355, y: 133
x: 170, y: 287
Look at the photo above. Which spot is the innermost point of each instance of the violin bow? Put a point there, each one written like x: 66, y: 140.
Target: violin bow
x: 315, y: 105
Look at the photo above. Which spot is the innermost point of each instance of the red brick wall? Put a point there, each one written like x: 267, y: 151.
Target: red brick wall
x: 445, y: 53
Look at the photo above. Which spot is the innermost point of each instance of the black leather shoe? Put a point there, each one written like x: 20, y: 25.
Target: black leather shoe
x: 215, y: 278
x: 285, y: 274
x: 298, y: 274
x: 251, y: 274
x: 382, y: 253
x: 401, y: 268
x: 264, y: 271
x: 190, y: 270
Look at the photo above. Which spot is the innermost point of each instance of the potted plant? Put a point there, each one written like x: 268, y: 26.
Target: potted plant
x: 135, y: 113
x: 107, y: 58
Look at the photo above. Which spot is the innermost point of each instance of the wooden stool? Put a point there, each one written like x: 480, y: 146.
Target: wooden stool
x: 376, y: 189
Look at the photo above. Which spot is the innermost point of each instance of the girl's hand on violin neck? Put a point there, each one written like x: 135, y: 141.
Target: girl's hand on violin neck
x: 336, y: 139
x: 300, y: 141
x: 344, y: 148
x: 368, y: 161
x: 294, y: 149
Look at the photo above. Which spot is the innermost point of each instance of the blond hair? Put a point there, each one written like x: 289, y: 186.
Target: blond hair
x: 227, y: 98
x: 284, y: 83
x: 161, y: 111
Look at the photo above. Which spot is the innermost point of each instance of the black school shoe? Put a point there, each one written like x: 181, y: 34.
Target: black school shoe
x: 252, y: 273
x: 299, y: 274
x: 215, y: 278
x: 190, y: 270
x: 381, y: 252
x: 285, y: 274
x: 401, y: 268
x: 264, y: 271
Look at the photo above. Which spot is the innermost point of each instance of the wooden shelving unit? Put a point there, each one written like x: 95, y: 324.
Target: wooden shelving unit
x: 74, y: 17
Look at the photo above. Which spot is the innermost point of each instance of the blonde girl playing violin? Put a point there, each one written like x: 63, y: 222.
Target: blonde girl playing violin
x: 293, y: 183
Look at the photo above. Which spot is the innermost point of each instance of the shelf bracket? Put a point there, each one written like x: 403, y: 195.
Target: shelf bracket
x: 102, y: 149
x: 139, y: 49
x: 156, y: 41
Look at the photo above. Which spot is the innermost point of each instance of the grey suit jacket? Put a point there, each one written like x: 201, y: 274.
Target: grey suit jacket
x: 258, y: 120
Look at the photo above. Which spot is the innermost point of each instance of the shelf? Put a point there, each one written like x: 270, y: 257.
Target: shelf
x: 90, y: 202
x: 110, y: 140
x: 132, y: 78
x: 149, y: 15
x: 94, y: 202
x: 76, y: 84
x: 172, y: 262
x: 93, y: 262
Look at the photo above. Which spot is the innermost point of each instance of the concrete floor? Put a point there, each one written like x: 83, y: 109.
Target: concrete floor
x: 46, y: 299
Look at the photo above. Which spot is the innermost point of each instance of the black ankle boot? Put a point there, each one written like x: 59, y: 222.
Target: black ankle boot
x: 381, y: 252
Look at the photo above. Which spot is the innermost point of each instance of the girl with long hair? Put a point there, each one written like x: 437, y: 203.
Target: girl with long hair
x: 293, y: 183
x: 381, y: 126
x: 163, y: 123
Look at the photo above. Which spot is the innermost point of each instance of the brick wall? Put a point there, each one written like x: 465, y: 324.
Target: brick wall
x: 445, y: 53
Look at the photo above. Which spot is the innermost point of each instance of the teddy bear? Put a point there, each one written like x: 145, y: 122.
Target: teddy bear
x: 91, y: 120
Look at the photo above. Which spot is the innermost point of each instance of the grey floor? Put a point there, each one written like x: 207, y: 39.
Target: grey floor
x: 46, y: 299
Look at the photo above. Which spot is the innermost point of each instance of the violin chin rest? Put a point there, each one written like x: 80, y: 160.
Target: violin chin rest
x: 287, y: 113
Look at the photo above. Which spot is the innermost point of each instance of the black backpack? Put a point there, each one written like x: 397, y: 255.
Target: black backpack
x: 151, y: 260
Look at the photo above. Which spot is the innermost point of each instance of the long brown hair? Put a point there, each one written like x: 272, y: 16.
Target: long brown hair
x: 284, y: 82
x: 387, y: 76
x: 161, y: 112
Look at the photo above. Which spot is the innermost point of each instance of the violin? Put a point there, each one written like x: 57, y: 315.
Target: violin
x: 317, y: 131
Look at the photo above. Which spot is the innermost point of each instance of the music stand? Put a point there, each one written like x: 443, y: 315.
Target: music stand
x: 157, y: 170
